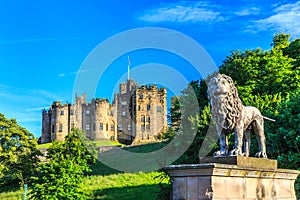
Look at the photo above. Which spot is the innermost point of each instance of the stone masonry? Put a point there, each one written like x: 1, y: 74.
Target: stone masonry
x: 137, y: 115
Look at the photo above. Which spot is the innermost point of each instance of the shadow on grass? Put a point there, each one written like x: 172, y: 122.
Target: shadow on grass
x: 114, y: 156
x: 9, y: 188
x: 101, y: 169
x: 143, y: 192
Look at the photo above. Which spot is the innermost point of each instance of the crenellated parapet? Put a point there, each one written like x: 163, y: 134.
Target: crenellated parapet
x: 101, y: 120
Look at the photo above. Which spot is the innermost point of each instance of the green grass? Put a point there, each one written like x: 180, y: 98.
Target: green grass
x: 126, y: 186
x: 97, y: 143
x: 145, y: 148
x: 14, y: 194
x: 110, y: 184
x: 46, y: 145
x: 107, y: 143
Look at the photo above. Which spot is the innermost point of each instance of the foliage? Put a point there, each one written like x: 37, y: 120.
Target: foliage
x: 61, y: 177
x: 165, y: 189
x: 18, y: 153
x: 283, y: 137
x: 281, y: 40
x: 270, y: 81
x: 123, y: 186
x: 259, y: 72
x: 288, y: 131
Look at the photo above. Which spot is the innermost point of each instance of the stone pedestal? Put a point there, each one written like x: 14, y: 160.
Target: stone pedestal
x: 239, y: 178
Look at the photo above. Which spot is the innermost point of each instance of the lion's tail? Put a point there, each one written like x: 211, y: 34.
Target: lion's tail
x: 267, y: 118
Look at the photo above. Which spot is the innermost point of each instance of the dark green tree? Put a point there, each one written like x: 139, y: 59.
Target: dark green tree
x: 61, y: 177
x: 293, y: 51
x: 281, y: 40
x: 18, y: 153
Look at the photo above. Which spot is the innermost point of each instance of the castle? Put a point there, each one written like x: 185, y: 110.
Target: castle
x: 136, y: 115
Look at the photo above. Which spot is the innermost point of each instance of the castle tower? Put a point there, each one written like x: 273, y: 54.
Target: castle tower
x: 46, y: 126
x: 123, y: 111
x: 150, y: 113
x: 104, y: 123
x: 59, y: 121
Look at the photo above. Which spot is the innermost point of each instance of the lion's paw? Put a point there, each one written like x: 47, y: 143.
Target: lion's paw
x: 236, y: 152
x: 220, y: 153
x: 261, y: 154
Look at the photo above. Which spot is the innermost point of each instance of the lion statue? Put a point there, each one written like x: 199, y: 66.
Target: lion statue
x: 230, y: 115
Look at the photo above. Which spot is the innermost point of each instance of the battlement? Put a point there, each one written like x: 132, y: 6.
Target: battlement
x: 101, y: 101
x: 152, y: 88
x: 127, y: 119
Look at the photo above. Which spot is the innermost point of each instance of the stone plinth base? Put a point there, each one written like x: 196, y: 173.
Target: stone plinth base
x: 227, y: 181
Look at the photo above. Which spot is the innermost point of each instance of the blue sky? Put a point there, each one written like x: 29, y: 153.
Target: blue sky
x: 44, y: 43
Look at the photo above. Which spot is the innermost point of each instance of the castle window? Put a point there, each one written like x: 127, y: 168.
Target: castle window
x: 112, y: 127
x: 60, y: 128
x: 148, y: 118
x: 94, y: 126
x: 142, y: 127
x: 106, y: 127
x: 101, y: 126
x: 62, y: 112
x: 149, y: 96
x: 53, y: 128
x: 123, y: 103
x: 72, y: 112
x: 158, y: 108
x: 87, y: 112
x: 87, y: 127
x: 148, y: 126
x: 148, y: 107
x: 161, y: 100
x: 129, y: 127
x: 142, y: 118
x: 120, y: 128
x: 140, y: 96
x: 139, y: 107
x: 123, y: 113
x: 72, y: 125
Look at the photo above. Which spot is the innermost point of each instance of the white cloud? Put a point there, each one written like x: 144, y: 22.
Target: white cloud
x: 74, y: 73
x: 36, y: 109
x: 31, y: 40
x: 286, y: 18
x: 184, y: 12
x: 25, y: 105
x: 247, y: 11
x: 61, y: 75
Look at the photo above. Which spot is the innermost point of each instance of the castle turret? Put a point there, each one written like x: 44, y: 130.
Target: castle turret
x: 150, y: 113
x: 46, y: 126
x: 59, y: 121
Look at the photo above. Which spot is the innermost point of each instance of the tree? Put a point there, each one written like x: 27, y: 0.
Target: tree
x: 18, y: 153
x: 281, y: 40
x: 62, y: 175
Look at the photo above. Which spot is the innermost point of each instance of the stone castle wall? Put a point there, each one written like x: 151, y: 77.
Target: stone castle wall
x: 129, y: 118
x: 150, y: 112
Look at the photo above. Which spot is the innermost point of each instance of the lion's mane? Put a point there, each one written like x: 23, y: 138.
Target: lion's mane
x: 225, y: 104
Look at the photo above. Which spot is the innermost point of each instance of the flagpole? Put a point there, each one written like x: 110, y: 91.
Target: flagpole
x: 128, y: 68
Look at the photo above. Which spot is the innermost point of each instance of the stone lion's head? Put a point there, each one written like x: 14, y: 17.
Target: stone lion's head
x: 226, y: 106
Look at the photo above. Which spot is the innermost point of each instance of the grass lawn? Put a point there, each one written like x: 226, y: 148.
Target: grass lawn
x: 12, y: 195
x: 107, y: 143
x: 97, y: 143
x: 109, y: 184
x: 125, y: 186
